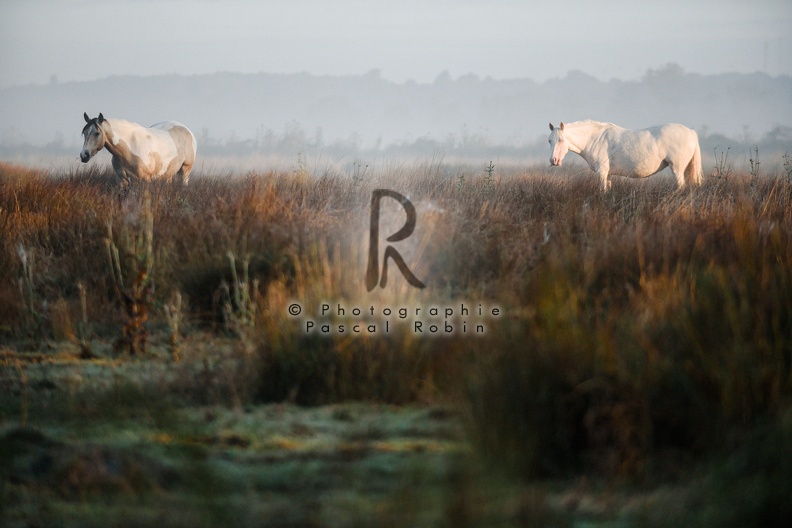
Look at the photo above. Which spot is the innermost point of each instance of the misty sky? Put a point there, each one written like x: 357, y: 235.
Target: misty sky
x: 405, y: 39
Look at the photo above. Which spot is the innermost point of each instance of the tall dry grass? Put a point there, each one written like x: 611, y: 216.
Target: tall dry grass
x: 634, y: 324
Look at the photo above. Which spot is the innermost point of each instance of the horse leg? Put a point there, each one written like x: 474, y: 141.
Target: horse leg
x: 693, y: 172
x: 184, y: 172
x: 602, y: 168
x: 121, y: 174
x: 679, y: 174
x: 123, y: 181
x: 605, y: 182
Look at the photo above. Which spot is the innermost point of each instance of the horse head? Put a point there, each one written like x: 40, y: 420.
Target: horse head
x: 558, y: 144
x: 94, y: 137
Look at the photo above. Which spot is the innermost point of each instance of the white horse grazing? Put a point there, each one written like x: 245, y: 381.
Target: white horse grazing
x: 164, y: 151
x: 613, y: 150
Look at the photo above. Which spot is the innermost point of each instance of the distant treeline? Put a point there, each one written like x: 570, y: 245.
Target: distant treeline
x: 285, y: 114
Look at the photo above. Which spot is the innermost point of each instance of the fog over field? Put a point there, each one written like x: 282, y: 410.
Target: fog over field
x: 289, y: 114
x: 444, y: 75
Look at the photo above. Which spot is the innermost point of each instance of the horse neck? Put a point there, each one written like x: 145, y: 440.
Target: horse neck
x: 579, y: 134
x: 114, y: 133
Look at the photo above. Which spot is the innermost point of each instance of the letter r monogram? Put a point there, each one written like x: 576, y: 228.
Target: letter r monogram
x: 372, y: 273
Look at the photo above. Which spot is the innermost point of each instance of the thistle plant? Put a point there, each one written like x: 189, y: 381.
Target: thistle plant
x: 489, y: 184
x: 131, y: 263
x: 722, y: 167
x: 301, y: 169
x: 26, y: 281
x: 173, y: 314
x: 238, y: 303
x: 753, y: 160
x: 83, y: 328
x: 359, y: 170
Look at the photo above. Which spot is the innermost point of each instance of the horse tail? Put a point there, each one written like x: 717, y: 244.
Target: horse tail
x: 694, y: 172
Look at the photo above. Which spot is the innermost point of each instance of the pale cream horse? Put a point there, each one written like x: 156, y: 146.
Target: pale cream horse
x: 612, y: 150
x: 163, y: 151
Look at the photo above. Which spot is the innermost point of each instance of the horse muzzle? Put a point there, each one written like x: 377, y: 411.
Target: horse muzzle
x: 555, y: 162
x: 85, y: 156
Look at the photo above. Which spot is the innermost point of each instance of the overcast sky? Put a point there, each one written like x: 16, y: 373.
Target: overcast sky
x: 72, y: 40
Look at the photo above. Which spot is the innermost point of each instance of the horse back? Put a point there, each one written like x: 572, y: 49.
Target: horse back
x: 673, y: 130
x: 182, y: 137
x: 654, y: 140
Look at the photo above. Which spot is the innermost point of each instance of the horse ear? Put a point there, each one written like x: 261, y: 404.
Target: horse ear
x: 101, y: 118
x: 87, y: 119
x: 551, y: 127
x: 560, y: 127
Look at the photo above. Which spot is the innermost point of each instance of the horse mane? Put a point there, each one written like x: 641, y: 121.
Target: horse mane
x: 591, y: 122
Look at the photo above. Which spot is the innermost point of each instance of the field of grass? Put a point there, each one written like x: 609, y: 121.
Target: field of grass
x: 598, y: 360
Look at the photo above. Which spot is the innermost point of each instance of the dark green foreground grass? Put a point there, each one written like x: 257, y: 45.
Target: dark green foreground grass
x: 639, y: 372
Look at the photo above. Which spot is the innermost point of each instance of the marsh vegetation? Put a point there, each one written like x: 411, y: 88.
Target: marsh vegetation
x: 639, y: 372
